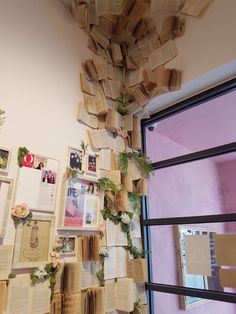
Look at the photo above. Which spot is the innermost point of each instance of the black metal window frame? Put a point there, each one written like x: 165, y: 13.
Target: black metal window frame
x: 146, y: 222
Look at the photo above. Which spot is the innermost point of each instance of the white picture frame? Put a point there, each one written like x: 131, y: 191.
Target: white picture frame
x: 6, y: 192
x: 39, y: 175
x: 75, y: 159
x: 77, y: 204
x: 69, y: 245
x: 5, y: 157
x: 33, y: 243
x: 91, y: 164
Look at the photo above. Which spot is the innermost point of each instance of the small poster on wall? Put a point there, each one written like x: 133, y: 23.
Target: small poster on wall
x: 80, y: 204
x: 33, y: 241
x: 75, y: 159
x: 5, y: 155
x: 37, y: 182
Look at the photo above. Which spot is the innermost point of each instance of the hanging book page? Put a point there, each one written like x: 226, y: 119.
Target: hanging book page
x: 80, y: 203
x: 6, y: 253
x: 6, y: 188
x: 37, y: 183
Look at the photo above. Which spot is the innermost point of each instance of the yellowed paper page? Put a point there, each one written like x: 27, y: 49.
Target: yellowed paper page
x: 110, y: 301
x: 6, y: 253
x: 198, y: 255
x: 124, y: 295
x: 41, y: 295
x: 195, y: 7
x: 227, y: 278
x: 19, y: 295
x: 3, y: 289
x: 225, y: 249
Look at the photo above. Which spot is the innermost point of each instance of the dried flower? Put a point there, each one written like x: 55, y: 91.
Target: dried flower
x: 125, y: 218
x: 20, y: 211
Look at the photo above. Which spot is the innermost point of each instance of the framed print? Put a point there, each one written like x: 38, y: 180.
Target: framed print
x: 91, y: 164
x: 5, y: 155
x: 68, y: 245
x: 75, y: 159
x: 37, y: 183
x: 6, y: 189
x: 195, y: 279
x: 81, y: 203
x: 33, y: 242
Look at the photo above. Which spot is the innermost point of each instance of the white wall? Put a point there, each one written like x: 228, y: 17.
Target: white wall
x: 207, y: 52
x: 40, y: 60
x: 209, y: 41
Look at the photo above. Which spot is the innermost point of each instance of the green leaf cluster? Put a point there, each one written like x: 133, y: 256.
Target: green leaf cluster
x: 100, y: 273
x: 26, y: 220
x: 105, y: 184
x: 135, y: 201
x: 116, y: 219
x: 51, y: 275
x: 71, y: 173
x: 122, y: 103
x: 138, y: 307
x: 84, y: 147
x: 22, y: 151
x: 143, y: 162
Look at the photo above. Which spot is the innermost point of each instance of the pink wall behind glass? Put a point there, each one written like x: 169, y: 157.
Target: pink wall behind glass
x: 182, y: 191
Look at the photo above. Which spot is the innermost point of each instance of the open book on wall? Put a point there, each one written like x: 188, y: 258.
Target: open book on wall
x: 115, y: 235
x: 119, y: 295
x: 89, y: 274
x: 88, y: 248
x: 22, y: 297
x: 115, y: 265
x: 137, y: 269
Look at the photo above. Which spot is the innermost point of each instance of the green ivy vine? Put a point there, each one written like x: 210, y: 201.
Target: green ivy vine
x: 143, y: 162
x: 22, y: 152
x: 106, y: 185
x: 100, y: 273
x: 116, y: 218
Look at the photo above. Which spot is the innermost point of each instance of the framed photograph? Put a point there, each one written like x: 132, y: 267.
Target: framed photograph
x: 75, y: 159
x: 33, y: 242
x: 5, y: 155
x: 6, y: 189
x: 81, y: 203
x: 68, y: 245
x: 192, y: 280
x: 39, y: 175
x: 91, y: 164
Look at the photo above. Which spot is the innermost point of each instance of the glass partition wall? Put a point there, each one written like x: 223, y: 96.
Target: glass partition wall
x: 189, y: 216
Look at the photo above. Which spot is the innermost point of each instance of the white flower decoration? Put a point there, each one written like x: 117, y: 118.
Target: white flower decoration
x: 125, y: 218
x: 104, y: 251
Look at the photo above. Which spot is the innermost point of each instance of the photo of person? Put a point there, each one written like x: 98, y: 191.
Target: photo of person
x: 48, y: 176
x: 40, y: 166
x: 34, y: 239
x: 88, y: 218
x: 81, y: 203
x: 67, y: 245
x: 90, y: 189
x: 92, y: 164
x: 75, y: 159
